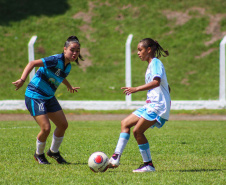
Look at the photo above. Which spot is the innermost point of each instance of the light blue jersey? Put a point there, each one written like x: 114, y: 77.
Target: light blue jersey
x: 47, y: 79
x: 158, y: 99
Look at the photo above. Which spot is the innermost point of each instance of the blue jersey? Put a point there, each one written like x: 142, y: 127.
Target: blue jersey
x: 47, y: 79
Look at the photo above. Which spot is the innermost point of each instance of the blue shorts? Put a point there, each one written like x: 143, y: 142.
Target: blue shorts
x: 142, y: 112
x: 39, y: 106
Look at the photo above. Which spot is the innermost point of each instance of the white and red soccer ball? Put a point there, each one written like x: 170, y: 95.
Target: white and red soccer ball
x: 98, y: 162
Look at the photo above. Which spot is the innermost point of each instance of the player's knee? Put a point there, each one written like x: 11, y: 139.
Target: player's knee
x: 124, y: 124
x: 46, y: 129
x: 64, y: 126
x: 137, y: 132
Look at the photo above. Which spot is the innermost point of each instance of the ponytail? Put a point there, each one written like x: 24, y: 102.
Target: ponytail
x: 155, y: 46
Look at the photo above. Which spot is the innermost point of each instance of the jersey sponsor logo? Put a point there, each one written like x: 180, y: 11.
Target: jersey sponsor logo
x: 54, y: 82
x: 57, y: 72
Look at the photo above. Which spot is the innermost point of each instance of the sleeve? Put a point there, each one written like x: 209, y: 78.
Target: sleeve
x: 50, y: 61
x: 157, y: 69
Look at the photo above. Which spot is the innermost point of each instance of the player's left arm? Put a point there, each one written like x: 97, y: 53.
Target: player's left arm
x: 69, y: 87
x: 151, y: 85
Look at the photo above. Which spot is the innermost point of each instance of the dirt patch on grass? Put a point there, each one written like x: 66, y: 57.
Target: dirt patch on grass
x: 213, y: 28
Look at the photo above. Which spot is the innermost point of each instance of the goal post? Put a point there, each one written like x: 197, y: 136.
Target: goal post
x: 128, y: 68
x: 31, y: 54
x: 222, y: 80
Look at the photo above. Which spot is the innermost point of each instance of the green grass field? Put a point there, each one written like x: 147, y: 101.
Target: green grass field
x: 183, y: 152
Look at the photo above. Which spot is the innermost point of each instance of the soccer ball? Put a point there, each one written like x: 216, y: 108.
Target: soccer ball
x: 98, y: 162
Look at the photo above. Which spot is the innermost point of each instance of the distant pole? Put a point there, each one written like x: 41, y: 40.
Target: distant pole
x: 128, y: 68
x: 222, y: 87
x: 31, y: 54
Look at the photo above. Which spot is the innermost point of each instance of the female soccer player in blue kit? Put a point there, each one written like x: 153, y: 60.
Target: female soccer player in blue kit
x: 156, y: 110
x: 40, y: 99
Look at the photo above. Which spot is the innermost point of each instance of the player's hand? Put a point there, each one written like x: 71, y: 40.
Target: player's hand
x: 19, y: 83
x: 129, y: 90
x: 73, y: 89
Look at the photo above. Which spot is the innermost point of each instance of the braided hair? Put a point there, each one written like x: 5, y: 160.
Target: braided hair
x: 73, y: 39
x: 155, y: 46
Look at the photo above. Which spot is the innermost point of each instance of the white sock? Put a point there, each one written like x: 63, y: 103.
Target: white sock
x: 56, y: 144
x: 145, y: 152
x: 122, y: 141
x: 40, y: 147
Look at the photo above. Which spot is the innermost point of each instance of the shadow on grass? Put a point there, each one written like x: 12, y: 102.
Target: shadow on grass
x: 16, y: 10
x: 77, y: 164
x: 198, y: 170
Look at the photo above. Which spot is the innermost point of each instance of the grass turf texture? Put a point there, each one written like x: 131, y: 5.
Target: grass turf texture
x: 104, y: 38
x: 183, y: 153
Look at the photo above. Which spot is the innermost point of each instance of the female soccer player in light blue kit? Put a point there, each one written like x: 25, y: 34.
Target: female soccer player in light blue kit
x: 156, y: 110
x: 40, y: 99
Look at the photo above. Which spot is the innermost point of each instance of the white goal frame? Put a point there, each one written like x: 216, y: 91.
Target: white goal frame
x: 222, y: 80
x: 31, y: 54
x: 128, y: 103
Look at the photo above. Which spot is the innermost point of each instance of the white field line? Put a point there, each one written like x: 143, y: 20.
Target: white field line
x: 18, y: 127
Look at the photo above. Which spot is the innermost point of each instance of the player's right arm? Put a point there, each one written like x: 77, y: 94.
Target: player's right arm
x: 151, y: 85
x: 35, y: 63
